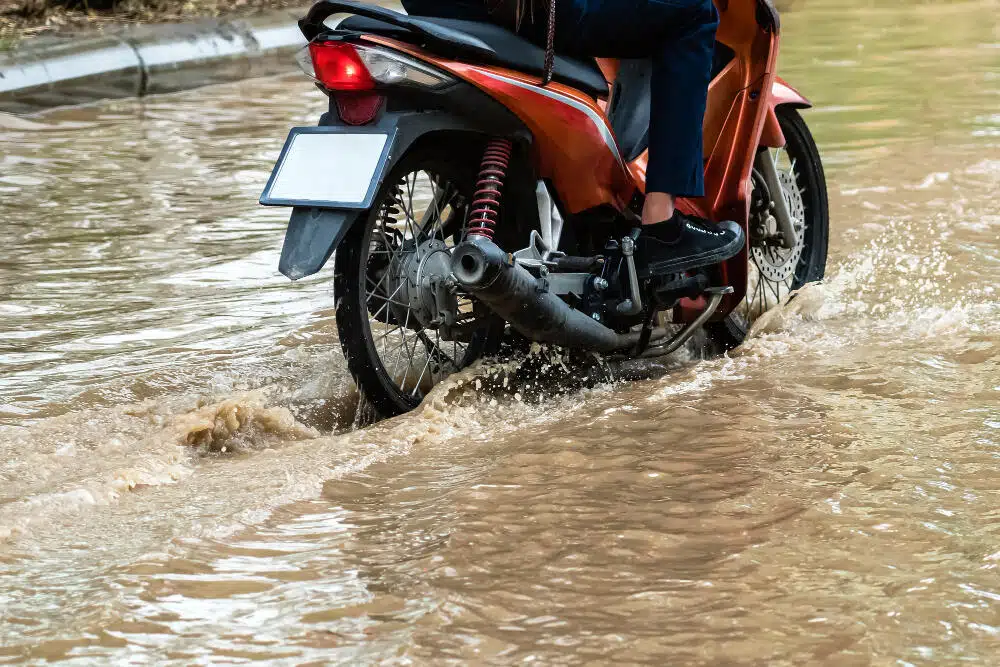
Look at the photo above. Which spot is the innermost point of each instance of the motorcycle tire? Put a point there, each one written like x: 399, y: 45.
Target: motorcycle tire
x: 367, y: 320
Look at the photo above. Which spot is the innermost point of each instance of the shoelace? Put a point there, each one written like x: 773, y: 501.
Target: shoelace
x: 703, y: 224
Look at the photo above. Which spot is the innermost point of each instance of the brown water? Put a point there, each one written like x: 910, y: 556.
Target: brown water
x: 180, y: 481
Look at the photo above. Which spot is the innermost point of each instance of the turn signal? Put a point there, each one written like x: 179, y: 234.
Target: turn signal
x: 338, y: 66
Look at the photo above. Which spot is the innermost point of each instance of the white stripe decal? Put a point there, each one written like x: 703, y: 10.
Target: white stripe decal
x: 602, y: 127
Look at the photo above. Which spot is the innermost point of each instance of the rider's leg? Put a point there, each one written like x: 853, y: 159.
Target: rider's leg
x: 679, y: 35
x: 681, y: 74
x: 658, y: 206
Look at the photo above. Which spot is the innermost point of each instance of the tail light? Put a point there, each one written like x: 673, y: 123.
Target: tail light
x: 358, y: 108
x: 344, y: 66
x: 338, y: 66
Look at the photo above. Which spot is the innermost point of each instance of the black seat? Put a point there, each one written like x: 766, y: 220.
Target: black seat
x: 510, y: 51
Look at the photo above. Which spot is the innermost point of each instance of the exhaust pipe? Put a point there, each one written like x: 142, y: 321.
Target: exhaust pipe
x: 510, y: 290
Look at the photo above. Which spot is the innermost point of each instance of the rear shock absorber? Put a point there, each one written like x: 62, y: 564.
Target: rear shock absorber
x: 489, y: 189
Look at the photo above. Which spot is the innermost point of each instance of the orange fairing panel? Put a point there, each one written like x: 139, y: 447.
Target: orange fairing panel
x: 782, y: 93
x: 771, y: 135
x: 574, y: 145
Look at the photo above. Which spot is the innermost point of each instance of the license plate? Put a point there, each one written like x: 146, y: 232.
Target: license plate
x: 328, y: 167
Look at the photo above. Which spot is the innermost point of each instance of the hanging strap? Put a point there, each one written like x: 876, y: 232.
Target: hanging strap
x: 510, y: 14
x: 550, y: 44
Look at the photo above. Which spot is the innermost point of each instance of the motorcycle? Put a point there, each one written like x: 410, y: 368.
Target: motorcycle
x: 469, y: 202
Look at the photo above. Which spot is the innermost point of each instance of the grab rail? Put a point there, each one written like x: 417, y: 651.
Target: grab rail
x: 437, y: 36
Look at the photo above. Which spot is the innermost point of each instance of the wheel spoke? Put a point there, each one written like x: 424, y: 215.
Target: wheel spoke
x: 776, y: 289
x: 377, y: 287
x: 423, y: 369
x: 410, y: 215
x: 434, y: 347
x: 763, y: 295
x: 387, y: 300
x: 403, y: 348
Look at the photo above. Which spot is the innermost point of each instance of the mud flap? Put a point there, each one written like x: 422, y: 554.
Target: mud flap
x: 313, y: 234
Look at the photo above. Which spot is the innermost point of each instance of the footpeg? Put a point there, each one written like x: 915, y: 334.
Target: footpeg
x: 571, y: 264
x: 690, y: 287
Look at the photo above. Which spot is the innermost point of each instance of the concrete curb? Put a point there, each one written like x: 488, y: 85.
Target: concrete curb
x: 145, y: 60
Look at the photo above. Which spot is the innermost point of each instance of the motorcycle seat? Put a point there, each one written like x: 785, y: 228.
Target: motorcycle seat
x: 509, y: 50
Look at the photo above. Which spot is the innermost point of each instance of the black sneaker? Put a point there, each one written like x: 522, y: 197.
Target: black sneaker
x: 685, y: 242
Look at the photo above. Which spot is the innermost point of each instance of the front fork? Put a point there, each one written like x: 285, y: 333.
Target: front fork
x: 764, y: 164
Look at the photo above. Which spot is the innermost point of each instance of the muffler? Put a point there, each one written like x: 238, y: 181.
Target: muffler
x: 510, y: 290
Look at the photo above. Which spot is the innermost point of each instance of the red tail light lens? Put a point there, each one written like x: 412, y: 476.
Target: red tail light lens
x: 358, y: 108
x: 338, y: 66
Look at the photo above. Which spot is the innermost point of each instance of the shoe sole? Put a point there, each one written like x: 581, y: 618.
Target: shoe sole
x: 707, y: 258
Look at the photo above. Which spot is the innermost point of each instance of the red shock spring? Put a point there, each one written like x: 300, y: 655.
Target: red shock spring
x: 489, y: 188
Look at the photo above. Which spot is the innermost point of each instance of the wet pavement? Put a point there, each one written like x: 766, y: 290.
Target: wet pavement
x: 183, y: 480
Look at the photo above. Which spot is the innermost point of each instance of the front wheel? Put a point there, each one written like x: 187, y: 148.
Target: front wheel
x: 402, y: 325
x: 775, y: 272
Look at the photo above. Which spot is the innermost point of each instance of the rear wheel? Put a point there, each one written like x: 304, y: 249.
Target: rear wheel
x: 403, y: 328
x: 775, y: 272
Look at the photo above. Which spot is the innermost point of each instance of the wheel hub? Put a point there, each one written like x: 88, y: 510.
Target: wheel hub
x: 426, y: 285
x: 775, y: 263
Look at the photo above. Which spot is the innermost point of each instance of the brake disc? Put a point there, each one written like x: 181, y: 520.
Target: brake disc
x: 775, y: 263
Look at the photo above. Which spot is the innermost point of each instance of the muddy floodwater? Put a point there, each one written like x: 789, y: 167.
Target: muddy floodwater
x: 184, y: 480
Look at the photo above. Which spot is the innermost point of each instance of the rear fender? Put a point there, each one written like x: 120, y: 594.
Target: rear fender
x: 312, y: 236
x: 781, y: 95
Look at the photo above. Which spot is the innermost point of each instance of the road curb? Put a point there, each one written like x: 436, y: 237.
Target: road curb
x: 143, y: 60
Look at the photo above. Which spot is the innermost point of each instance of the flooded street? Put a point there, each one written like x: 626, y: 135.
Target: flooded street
x: 183, y: 481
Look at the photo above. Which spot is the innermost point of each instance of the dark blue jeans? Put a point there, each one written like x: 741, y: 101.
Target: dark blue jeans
x: 679, y: 36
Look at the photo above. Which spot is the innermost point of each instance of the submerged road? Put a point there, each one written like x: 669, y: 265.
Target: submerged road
x: 183, y: 479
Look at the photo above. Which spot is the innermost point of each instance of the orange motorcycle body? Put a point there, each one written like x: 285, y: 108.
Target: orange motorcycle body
x: 574, y: 147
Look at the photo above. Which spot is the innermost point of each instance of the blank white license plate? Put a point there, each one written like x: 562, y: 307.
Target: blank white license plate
x: 331, y: 169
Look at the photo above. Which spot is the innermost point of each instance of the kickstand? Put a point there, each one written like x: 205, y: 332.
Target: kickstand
x: 647, y: 332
